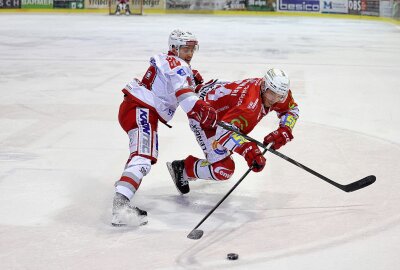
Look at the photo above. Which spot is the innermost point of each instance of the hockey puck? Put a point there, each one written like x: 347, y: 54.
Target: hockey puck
x: 232, y: 256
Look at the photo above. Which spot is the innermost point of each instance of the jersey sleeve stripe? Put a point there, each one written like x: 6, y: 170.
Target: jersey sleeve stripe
x: 184, y: 93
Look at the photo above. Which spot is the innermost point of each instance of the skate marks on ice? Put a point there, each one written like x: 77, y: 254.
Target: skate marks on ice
x: 268, y: 227
x: 315, y: 215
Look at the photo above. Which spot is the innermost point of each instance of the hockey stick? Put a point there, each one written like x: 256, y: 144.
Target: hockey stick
x: 196, y: 234
x: 362, y: 183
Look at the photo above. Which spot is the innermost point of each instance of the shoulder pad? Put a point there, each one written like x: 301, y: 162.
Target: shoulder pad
x: 170, y: 64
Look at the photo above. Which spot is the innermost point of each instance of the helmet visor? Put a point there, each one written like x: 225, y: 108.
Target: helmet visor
x: 274, y: 97
x: 190, y: 44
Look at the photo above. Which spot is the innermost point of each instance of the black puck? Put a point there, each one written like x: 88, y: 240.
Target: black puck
x: 232, y: 256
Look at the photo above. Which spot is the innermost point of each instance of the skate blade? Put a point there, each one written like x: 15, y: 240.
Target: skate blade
x: 124, y: 224
x: 132, y: 221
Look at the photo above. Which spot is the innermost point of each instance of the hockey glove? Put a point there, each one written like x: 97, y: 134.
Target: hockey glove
x: 198, y: 79
x: 252, y: 155
x: 279, y: 137
x: 204, y: 88
x: 203, y: 113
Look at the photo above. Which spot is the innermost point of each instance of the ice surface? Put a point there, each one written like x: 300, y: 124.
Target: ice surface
x: 61, y: 147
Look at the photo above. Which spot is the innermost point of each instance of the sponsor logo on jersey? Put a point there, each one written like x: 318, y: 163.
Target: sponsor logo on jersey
x: 145, y: 136
x: 144, y: 122
x: 197, y: 133
x: 223, y: 109
x: 239, y: 88
x: 220, y: 151
x: 238, y: 139
x: 252, y: 105
x: 181, y: 72
x: 172, y: 62
x: 223, y: 171
x: 244, y: 92
x: 204, y: 163
x: 217, y: 150
x: 143, y: 170
x: 288, y: 120
x: 148, y: 74
x: 241, y: 121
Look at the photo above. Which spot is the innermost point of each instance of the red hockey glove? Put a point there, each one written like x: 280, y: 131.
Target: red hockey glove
x: 252, y: 155
x: 279, y: 137
x: 204, y: 114
x: 198, y: 79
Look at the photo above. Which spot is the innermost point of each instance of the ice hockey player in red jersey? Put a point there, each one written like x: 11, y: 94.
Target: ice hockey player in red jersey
x: 242, y: 104
x: 168, y: 83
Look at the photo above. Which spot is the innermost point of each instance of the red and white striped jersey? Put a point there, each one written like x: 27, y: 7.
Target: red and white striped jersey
x: 167, y: 83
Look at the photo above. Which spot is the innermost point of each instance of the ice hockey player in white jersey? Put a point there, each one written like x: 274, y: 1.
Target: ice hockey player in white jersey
x: 168, y: 83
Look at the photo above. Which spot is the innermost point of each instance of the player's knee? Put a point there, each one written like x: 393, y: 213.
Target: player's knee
x: 224, y: 169
x: 139, y: 166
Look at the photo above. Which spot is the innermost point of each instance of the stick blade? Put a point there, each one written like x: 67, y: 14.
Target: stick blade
x: 362, y: 183
x: 195, y: 234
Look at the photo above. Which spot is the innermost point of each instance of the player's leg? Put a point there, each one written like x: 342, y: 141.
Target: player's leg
x: 218, y: 165
x: 203, y: 169
x: 125, y: 188
x: 127, y: 9
x: 141, y: 126
x: 118, y: 10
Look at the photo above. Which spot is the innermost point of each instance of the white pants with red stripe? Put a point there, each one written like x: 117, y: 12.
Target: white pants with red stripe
x: 136, y: 168
x: 141, y: 126
x: 218, y: 164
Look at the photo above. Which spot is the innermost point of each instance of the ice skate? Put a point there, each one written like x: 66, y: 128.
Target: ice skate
x: 176, y: 170
x: 124, y: 214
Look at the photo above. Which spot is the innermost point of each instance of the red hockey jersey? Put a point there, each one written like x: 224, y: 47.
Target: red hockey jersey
x: 240, y: 104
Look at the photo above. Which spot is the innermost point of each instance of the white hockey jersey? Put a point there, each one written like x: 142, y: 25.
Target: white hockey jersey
x: 169, y: 82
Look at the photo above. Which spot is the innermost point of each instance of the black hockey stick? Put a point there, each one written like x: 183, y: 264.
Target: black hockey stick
x: 362, y: 183
x: 196, y: 234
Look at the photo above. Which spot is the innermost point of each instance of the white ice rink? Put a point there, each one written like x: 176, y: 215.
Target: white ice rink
x: 62, y: 149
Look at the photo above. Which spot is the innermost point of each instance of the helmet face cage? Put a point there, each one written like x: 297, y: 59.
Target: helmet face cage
x: 180, y: 38
x: 277, y: 81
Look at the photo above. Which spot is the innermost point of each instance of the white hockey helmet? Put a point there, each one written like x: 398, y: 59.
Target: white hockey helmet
x: 277, y: 80
x: 179, y: 38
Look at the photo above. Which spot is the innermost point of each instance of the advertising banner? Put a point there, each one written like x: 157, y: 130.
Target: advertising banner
x: 299, y: 5
x: 37, y: 3
x: 355, y: 7
x: 264, y: 5
x: 385, y: 8
x: 68, y: 4
x: 147, y: 4
x: 235, y: 5
x: 10, y: 3
x: 364, y: 7
x: 206, y: 4
x: 334, y: 6
x: 178, y: 4
x: 96, y: 3
x: 396, y: 9
x: 370, y: 7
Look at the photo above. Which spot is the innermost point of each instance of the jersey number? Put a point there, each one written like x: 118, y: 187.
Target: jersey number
x: 173, y: 63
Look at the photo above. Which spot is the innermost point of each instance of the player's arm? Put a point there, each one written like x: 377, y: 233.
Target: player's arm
x: 194, y: 107
x: 288, y: 112
x: 198, y: 79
